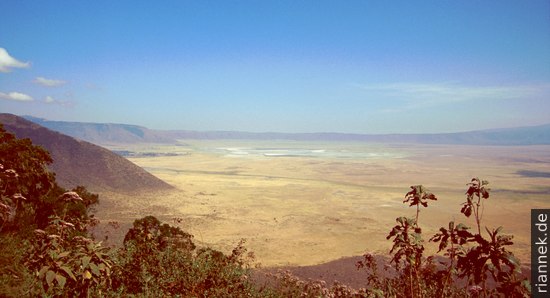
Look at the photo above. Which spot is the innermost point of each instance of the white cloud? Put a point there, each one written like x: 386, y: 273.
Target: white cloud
x: 49, y: 99
x: 17, y: 96
x: 7, y: 62
x: 49, y: 82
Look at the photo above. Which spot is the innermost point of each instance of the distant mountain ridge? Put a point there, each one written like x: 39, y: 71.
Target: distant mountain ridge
x: 103, y: 133
x: 81, y: 163
x: 532, y: 135
x: 99, y: 133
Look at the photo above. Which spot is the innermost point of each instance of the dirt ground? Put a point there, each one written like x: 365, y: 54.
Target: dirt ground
x: 329, y: 200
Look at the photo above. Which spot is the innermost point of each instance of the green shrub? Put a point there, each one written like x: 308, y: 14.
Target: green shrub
x: 161, y: 260
x: 64, y: 262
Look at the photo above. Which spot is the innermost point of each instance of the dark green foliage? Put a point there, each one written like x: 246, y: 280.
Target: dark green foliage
x: 149, y: 233
x: 407, y: 242
x: 160, y: 260
x: 408, y: 249
x: 29, y: 163
x: 146, y: 248
x: 29, y: 194
x: 57, y: 258
x: 489, y: 256
x: 64, y: 262
x: 455, y: 235
x: 24, y: 181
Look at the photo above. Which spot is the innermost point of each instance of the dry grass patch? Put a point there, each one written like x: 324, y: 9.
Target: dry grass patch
x: 307, y: 210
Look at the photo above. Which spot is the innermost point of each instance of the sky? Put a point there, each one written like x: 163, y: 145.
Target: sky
x: 368, y: 67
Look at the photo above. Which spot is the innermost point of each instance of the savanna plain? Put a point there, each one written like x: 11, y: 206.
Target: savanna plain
x: 306, y: 203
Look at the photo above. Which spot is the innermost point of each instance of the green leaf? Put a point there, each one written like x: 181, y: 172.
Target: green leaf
x: 43, y: 270
x: 61, y: 280
x: 513, y: 260
x: 69, y: 272
x: 526, y: 284
x: 85, y: 261
x: 100, y: 255
x: 50, y: 275
x: 64, y: 254
x: 95, y: 269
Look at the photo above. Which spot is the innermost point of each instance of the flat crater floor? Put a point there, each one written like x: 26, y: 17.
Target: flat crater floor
x: 305, y: 203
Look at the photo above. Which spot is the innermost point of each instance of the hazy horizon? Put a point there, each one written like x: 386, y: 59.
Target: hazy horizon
x: 365, y: 67
x: 272, y: 132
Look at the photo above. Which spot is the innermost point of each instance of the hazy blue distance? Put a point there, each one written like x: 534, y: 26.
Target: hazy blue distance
x: 282, y: 66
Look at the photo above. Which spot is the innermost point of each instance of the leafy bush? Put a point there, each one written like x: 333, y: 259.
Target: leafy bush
x: 24, y: 180
x: 161, y: 260
x: 57, y: 258
x: 64, y: 263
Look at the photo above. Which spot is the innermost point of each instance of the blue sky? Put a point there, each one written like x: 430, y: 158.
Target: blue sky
x: 284, y: 66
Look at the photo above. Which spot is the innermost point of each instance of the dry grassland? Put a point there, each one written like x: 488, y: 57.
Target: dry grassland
x: 304, y: 210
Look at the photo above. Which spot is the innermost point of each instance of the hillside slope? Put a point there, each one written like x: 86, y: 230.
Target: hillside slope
x: 82, y: 163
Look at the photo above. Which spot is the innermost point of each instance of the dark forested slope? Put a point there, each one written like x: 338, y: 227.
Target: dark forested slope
x: 81, y: 163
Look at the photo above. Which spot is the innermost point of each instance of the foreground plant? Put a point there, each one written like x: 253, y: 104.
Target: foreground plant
x: 407, y: 249
x: 418, y: 195
x: 451, y: 240
x: 469, y: 259
x: 476, y: 191
x: 481, y: 257
x: 64, y: 261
